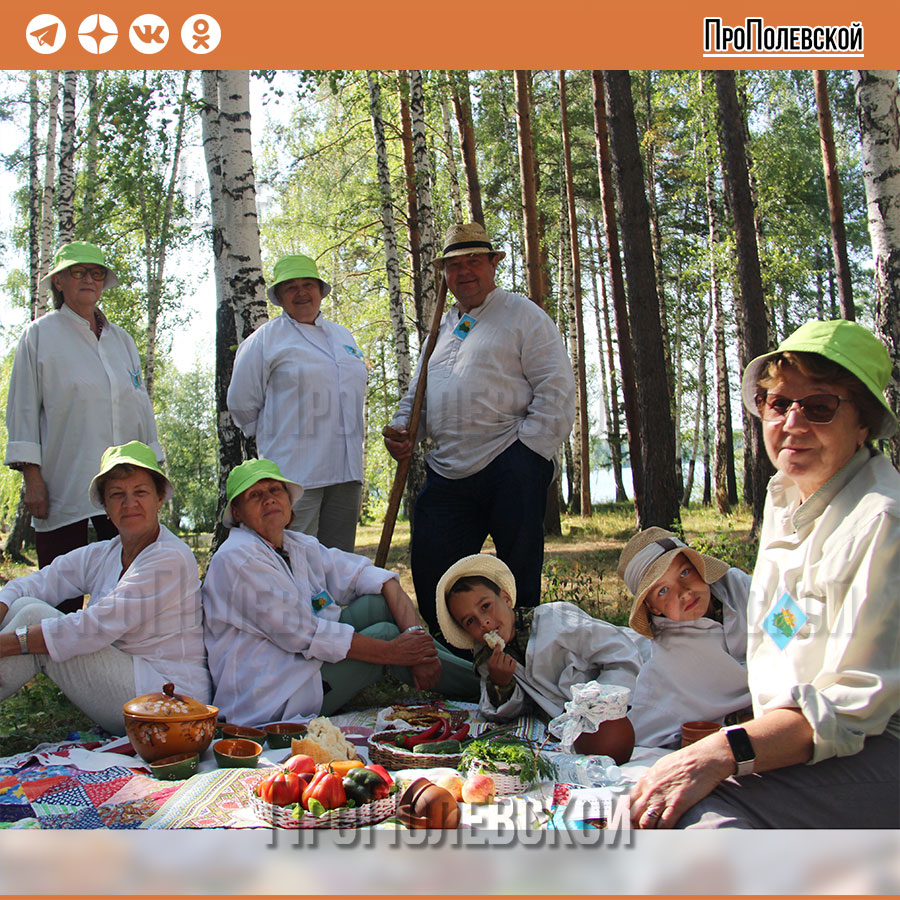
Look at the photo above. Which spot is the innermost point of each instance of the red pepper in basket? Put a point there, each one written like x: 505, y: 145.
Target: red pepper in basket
x: 429, y: 734
x: 461, y: 734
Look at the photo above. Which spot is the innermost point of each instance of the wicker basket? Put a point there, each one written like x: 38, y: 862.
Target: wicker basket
x: 392, y: 757
x: 358, y: 816
x: 506, y: 783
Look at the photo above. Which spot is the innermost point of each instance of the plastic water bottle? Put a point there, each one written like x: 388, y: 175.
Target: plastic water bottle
x: 588, y: 771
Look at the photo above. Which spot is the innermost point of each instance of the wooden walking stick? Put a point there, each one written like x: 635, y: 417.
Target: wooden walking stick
x: 390, y: 518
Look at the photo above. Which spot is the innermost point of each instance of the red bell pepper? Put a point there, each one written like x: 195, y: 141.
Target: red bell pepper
x: 383, y: 772
x: 327, y: 788
x: 281, y: 789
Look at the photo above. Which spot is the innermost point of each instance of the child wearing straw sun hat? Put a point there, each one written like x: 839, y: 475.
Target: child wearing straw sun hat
x: 693, y: 608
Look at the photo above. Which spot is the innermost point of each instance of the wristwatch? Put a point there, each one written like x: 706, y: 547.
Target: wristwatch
x: 741, y: 749
x: 415, y: 629
x: 22, y: 635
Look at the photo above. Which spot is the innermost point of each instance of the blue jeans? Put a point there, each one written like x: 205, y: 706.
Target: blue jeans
x: 506, y: 500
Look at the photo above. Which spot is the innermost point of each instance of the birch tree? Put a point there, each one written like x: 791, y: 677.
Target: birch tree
x: 66, y: 201
x: 48, y: 192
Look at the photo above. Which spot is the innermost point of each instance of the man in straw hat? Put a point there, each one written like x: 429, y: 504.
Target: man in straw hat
x: 499, y: 401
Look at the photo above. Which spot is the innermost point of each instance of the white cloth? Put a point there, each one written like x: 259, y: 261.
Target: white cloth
x: 837, y: 556
x: 509, y: 379
x: 151, y: 612
x: 697, y: 670
x: 266, y: 642
x: 299, y: 389
x: 566, y: 647
x: 70, y: 397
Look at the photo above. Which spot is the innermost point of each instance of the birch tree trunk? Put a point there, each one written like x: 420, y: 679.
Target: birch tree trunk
x: 529, y: 188
x: 567, y: 298
x: 90, y: 156
x: 835, y: 197
x: 753, y: 329
x: 240, y: 294
x: 698, y: 414
x: 877, y: 109
x: 580, y: 373
x: 617, y: 287
x: 48, y: 191
x: 459, y: 83
x: 389, y: 235
x: 66, y: 199
x: 660, y: 505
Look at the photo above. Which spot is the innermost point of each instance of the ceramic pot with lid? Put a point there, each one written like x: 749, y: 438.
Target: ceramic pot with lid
x: 165, y: 724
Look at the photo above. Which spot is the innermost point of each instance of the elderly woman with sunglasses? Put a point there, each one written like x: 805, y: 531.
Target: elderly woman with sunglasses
x: 823, y: 648
x: 76, y: 389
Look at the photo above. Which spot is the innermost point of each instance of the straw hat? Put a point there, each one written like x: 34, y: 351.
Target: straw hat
x: 296, y: 266
x: 644, y: 560
x: 843, y: 342
x: 478, y: 564
x: 246, y: 475
x: 80, y: 253
x: 133, y: 453
x: 461, y: 240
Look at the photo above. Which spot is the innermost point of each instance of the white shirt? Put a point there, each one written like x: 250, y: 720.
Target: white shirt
x: 152, y: 611
x: 837, y: 557
x: 508, y: 379
x: 265, y: 640
x: 697, y: 670
x: 566, y: 646
x: 299, y: 389
x: 70, y: 397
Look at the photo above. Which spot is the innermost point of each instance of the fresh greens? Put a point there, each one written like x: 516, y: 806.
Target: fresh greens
x: 519, y: 756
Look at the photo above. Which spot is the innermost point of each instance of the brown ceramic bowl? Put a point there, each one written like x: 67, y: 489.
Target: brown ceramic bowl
x: 691, y: 732
x: 245, y: 732
x: 236, y: 752
x: 167, y: 724
x: 425, y: 805
x: 280, y: 734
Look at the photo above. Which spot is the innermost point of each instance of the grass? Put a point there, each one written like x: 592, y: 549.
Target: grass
x: 579, y: 566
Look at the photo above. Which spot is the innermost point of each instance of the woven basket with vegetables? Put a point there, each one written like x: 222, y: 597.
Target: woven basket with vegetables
x: 433, y: 746
x: 514, y: 764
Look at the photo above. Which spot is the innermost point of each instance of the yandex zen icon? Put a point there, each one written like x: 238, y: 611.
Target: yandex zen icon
x: 98, y: 34
x: 148, y: 33
x: 45, y: 33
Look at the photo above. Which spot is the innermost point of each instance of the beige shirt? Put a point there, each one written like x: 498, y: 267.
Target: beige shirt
x: 835, y: 652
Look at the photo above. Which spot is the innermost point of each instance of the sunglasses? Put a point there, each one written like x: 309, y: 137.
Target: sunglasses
x: 819, y: 409
x: 97, y: 273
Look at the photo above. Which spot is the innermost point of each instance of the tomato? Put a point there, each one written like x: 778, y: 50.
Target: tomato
x: 281, y: 789
x: 300, y: 764
x: 327, y: 788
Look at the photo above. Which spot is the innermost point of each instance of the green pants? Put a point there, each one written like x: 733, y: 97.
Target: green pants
x: 369, y: 615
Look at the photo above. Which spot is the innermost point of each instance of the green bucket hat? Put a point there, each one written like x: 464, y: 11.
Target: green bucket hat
x: 133, y: 453
x: 297, y: 266
x: 246, y: 475
x: 849, y: 345
x: 80, y: 252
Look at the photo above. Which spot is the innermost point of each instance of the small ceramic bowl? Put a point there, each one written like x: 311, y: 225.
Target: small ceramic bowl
x: 244, y: 731
x: 280, y: 734
x: 175, y: 768
x: 234, y: 753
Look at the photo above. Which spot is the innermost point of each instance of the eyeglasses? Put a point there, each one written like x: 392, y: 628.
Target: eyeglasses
x: 97, y: 273
x: 819, y: 409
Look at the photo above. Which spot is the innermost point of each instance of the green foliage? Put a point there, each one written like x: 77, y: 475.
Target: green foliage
x: 507, y: 755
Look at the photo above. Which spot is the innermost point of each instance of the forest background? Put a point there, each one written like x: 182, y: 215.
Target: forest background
x: 364, y: 171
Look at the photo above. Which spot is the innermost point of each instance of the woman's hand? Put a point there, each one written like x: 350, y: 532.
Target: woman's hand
x: 677, y: 781
x: 501, y: 667
x: 36, y: 496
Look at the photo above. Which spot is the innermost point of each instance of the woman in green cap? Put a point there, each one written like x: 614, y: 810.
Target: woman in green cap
x: 143, y: 625
x: 76, y: 388
x: 823, y: 645
x: 298, y: 387
x: 294, y: 628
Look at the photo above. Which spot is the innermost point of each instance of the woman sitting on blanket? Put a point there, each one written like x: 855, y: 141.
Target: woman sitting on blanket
x: 142, y: 626
x: 693, y: 608
x: 294, y: 628
x: 534, y: 655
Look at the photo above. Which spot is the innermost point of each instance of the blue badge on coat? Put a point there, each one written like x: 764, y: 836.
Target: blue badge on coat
x: 320, y: 601
x: 466, y: 324
x: 784, y: 621
x: 137, y: 379
x: 354, y: 351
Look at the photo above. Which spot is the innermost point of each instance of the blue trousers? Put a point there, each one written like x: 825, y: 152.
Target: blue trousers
x: 453, y: 517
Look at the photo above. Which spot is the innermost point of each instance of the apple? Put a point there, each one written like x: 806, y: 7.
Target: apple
x: 451, y: 783
x: 478, y: 788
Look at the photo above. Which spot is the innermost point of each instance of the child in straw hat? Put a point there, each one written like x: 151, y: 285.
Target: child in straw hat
x: 693, y: 608
x: 528, y: 656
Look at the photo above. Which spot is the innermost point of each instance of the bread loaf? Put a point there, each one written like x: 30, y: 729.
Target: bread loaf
x: 324, y: 742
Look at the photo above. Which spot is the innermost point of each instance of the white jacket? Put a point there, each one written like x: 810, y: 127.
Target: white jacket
x: 697, y: 670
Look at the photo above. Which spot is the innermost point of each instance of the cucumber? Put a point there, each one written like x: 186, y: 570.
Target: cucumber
x: 440, y: 747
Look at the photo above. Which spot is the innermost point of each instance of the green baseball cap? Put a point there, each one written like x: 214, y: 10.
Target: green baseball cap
x: 80, y: 252
x: 133, y: 453
x: 843, y: 342
x: 296, y: 266
x: 246, y: 475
